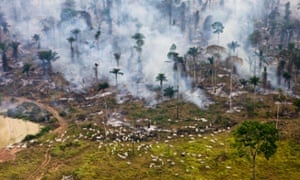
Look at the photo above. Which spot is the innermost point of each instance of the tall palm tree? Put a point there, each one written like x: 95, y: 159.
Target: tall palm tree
x: 47, y: 57
x: 96, y: 71
x: 36, y: 38
x: 116, y: 72
x: 139, y: 40
x: 218, y: 28
x: 174, y: 56
x: 71, y: 40
x: 254, y: 80
x: 161, y: 78
x: 194, y: 52
x: 76, y: 32
x: 262, y: 59
x: 233, y: 45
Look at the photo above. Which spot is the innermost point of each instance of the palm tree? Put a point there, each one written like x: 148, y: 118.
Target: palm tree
x: 76, y: 32
x: 71, y: 40
x: 3, y: 48
x: 161, y: 78
x: 218, y: 28
x: 37, y: 39
x: 262, y: 59
x: 139, y: 38
x: 254, y: 80
x: 233, y: 45
x: 194, y: 52
x: 172, y: 55
x: 117, y: 58
x: 47, y: 57
x: 96, y: 71
x: 116, y: 72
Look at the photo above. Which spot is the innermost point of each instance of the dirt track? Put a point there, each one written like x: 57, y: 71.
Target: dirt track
x: 6, y: 155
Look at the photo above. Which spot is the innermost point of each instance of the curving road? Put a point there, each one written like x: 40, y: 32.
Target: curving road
x: 38, y: 172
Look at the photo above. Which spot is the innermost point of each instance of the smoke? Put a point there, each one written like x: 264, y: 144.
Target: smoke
x: 118, y: 21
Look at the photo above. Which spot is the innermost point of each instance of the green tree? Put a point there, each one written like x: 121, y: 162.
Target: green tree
x: 233, y: 45
x: 36, y: 38
x: 116, y: 72
x: 161, y: 78
x: 139, y: 40
x: 169, y: 92
x: 253, y: 138
x: 254, y: 80
x: 218, y: 29
x: 71, y: 40
x: 47, y: 57
x: 102, y: 86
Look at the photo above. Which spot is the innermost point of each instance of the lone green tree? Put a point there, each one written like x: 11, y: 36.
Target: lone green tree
x: 253, y: 138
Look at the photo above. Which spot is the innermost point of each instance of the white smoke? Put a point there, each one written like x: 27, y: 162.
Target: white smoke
x: 29, y: 17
